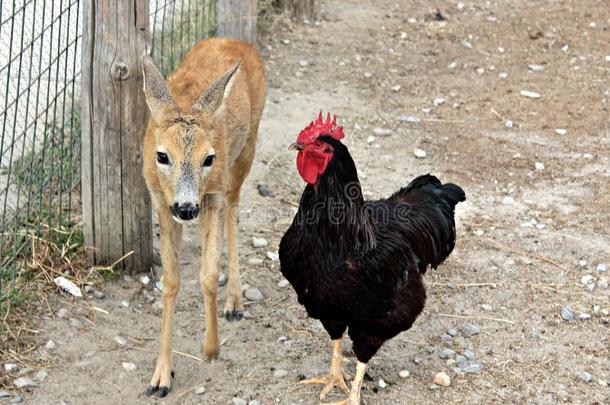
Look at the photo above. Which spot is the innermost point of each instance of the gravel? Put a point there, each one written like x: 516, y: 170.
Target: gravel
x: 601, y: 268
x: 283, y: 283
x: 254, y: 294
x: 469, y: 329
x: 539, y: 166
x: 567, y: 314
x: 403, y: 373
x: 200, y: 390
x: 381, y: 383
x: 446, y: 354
x: 561, y: 131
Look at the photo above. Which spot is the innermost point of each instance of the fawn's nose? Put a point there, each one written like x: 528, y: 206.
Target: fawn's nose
x: 186, y: 211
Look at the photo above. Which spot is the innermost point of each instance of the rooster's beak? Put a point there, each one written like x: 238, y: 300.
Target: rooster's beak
x: 296, y: 146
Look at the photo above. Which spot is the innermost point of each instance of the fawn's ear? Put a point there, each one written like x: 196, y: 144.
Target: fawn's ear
x: 157, y: 96
x: 213, y: 100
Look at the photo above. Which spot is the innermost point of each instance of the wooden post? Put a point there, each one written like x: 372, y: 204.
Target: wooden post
x: 303, y: 10
x: 236, y: 19
x: 116, y: 204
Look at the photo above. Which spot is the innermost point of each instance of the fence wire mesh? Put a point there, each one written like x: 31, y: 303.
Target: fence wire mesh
x: 40, y: 55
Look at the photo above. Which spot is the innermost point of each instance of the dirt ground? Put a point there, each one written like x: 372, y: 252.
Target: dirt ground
x: 527, y: 234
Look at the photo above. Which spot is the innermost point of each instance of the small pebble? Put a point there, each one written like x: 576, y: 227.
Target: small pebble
x: 239, y: 401
x: 585, y: 376
x: 254, y: 402
x: 442, y: 379
x: 584, y: 316
x: 602, y: 283
x: 222, y: 279
x: 395, y: 88
x: 411, y: 119
x: 11, y: 367
x: 446, y: 338
x: 5, y: 394
x: 121, y: 341
x: 381, y: 384
x: 561, y: 131
x: 99, y: 295
x: 438, y: 101
x: 17, y: 400
x: 280, y: 373
x: 567, y: 314
x: 41, y: 375
x: 370, y: 139
x: 63, y: 313
x: 159, y: 285
x: 283, y: 283
x: 285, y: 41
x: 403, y: 373
x: 486, y: 307
x: 75, y: 323
x: 536, y: 68
x: 446, y: 354
x: 539, y: 166
x: 473, y: 368
x: 273, y: 256
x: 259, y: 242
x: 508, y: 124
x: 460, y: 360
x: 601, y: 268
x: 469, y: 329
x: 469, y: 354
x: 452, y: 332
x: 264, y: 190
x: 24, y: 382
x: 502, y: 75
x: 144, y: 280
x: 254, y: 294
x: 382, y: 131
x: 129, y: 366
x: 586, y: 279
x: 303, y: 63
x: 248, y: 315
x: 200, y: 390
x: 508, y: 200
x: 530, y: 94
x: 255, y: 261
x: 50, y: 345
x: 420, y: 153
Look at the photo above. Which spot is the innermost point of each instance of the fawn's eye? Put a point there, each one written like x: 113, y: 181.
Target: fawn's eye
x: 162, y: 158
x: 209, y: 160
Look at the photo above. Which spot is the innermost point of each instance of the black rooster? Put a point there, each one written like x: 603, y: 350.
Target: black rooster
x: 358, y: 265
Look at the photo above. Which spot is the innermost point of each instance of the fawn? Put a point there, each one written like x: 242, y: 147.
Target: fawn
x: 197, y: 151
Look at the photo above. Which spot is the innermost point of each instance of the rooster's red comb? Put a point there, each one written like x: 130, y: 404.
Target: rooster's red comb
x: 320, y: 127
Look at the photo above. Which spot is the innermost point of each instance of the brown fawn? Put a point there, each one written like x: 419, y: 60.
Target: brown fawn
x: 197, y: 151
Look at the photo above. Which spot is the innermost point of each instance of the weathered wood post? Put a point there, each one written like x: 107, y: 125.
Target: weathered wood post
x: 236, y: 19
x: 116, y: 205
x: 303, y: 10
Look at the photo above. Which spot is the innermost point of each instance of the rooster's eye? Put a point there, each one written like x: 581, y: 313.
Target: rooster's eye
x: 162, y: 158
x: 208, y: 161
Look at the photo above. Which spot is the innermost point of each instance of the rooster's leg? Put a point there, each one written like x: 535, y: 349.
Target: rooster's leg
x: 336, y: 377
x: 354, y: 395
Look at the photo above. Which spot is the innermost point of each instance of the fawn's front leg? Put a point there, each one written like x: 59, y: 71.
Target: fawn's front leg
x: 211, y: 230
x: 171, y: 237
x: 234, y: 307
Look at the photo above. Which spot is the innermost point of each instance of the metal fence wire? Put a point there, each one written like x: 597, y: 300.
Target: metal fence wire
x: 40, y: 54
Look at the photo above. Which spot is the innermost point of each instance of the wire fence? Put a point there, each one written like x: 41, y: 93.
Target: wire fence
x: 40, y: 54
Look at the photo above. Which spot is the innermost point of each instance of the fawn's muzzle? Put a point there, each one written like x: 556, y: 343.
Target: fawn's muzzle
x: 185, y: 212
